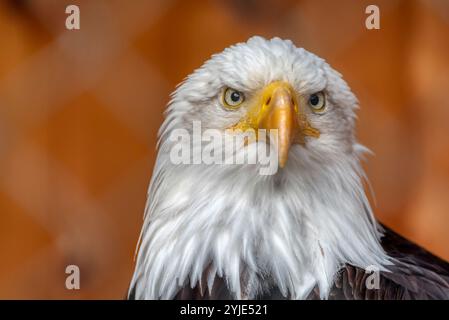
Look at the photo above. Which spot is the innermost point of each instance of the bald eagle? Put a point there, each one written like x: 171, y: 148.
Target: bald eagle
x: 306, y: 231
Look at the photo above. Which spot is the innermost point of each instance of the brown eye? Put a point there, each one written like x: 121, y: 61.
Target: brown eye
x: 317, y: 101
x: 232, y: 98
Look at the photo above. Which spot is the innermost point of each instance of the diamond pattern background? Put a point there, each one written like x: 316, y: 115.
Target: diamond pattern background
x: 80, y: 110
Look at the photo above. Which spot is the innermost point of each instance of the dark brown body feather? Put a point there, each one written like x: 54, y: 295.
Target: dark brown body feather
x: 416, y: 274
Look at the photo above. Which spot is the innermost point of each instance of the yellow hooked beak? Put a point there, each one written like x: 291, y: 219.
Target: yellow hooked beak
x: 276, y: 107
x: 281, y: 115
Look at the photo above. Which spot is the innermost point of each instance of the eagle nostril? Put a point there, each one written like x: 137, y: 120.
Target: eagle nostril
x: 268, y: 101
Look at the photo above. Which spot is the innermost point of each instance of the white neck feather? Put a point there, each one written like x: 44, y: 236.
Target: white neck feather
x: 293, y: 230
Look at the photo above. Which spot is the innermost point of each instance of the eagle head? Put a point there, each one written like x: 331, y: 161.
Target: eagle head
x: 270, y: 85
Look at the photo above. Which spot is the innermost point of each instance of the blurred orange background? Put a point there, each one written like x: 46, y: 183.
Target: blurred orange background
x: 80, y: 110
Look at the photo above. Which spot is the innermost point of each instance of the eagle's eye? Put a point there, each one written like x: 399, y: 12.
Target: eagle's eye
x: 232, y: 98
x: 317, y: 101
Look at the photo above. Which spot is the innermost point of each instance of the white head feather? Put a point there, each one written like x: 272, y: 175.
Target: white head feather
x: 294, y: 229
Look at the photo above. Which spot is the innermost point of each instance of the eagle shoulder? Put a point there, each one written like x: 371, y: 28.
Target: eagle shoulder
x: 416, y: 274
